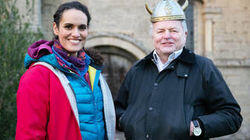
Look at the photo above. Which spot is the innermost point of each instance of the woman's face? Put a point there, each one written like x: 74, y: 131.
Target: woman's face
x: 72, y: 31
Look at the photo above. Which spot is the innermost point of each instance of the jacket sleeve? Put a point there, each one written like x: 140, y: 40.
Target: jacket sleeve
x: 223, y: 116
x: 121, y: 102
x: 33, y: 104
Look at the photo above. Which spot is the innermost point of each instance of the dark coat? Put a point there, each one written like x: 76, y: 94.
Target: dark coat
x: 159, y: 106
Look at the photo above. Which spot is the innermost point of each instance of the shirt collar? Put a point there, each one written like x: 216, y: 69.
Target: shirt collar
x: 186, y: 56
x: 171, y: 57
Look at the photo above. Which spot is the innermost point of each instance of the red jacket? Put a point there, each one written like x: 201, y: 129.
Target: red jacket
x: 41, y: 114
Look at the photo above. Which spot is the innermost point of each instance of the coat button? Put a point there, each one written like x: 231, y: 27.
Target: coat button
x: 147, y: 136
x: 150, y: 108
x: 185, y: 75
x: 155, y: 84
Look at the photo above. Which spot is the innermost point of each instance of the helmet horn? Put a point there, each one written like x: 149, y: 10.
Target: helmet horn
x: 147, y: 8
x: 185, y: 5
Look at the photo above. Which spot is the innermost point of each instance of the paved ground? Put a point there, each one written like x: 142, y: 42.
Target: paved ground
x: 119, y: 135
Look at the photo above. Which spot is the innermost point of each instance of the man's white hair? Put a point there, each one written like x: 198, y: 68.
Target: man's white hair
x: 183, y: 23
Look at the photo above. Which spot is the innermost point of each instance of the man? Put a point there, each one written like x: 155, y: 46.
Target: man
x: 173, y: 93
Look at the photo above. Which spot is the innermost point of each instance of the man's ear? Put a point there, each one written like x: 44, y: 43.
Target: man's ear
x: 55, y: 28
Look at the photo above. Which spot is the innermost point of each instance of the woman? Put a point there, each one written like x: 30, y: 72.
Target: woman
x: 47, y: 108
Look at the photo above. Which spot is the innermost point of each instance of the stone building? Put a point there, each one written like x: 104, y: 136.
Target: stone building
x: 120, y: 29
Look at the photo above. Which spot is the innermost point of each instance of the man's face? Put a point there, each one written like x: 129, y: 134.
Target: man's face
x: 168, y: 37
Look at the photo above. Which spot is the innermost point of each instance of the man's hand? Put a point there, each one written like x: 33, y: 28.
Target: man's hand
x: 191, y: 128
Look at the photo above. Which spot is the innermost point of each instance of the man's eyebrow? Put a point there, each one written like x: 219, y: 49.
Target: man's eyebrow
x: 82, y: 25
x: 67, y: 23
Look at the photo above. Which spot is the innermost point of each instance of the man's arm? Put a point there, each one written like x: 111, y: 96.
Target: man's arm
x: 224, y: 112
x: 121, y: 102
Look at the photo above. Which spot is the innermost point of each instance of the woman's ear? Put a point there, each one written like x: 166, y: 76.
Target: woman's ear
x: 55, y: 28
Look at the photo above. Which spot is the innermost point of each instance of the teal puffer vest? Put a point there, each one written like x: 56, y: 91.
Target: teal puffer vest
x: 90, y: 107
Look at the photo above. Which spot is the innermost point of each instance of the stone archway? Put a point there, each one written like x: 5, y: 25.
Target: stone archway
x: 119, y: 52
x: 117, y: 62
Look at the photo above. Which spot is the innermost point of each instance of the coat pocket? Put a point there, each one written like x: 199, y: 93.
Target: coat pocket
x: 188, y: 117
x: 124, y: 119
x: 121, y: 121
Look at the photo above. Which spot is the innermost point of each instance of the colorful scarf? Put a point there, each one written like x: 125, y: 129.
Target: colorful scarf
x: 77, y: 64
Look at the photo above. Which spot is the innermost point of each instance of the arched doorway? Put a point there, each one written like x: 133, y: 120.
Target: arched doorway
x: 117, y: 62
x: 120, y: 53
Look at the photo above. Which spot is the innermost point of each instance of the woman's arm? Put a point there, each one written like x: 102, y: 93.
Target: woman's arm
x: 33, y: 104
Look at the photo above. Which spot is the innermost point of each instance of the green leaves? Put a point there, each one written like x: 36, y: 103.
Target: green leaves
x: 15, y: 37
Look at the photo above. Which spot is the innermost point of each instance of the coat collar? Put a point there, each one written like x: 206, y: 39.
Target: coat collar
x: 186, y: 56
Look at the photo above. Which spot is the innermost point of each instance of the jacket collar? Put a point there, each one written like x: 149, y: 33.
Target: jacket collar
x: 186, y: 56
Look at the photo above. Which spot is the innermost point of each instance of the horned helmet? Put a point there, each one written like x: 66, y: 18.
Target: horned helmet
x: 167, y: 10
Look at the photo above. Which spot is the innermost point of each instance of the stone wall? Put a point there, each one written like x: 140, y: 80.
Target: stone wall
x: 225, y: 37
x: 221, y: 32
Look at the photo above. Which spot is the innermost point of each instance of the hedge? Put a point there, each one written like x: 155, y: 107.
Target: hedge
x: 15, y: 37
